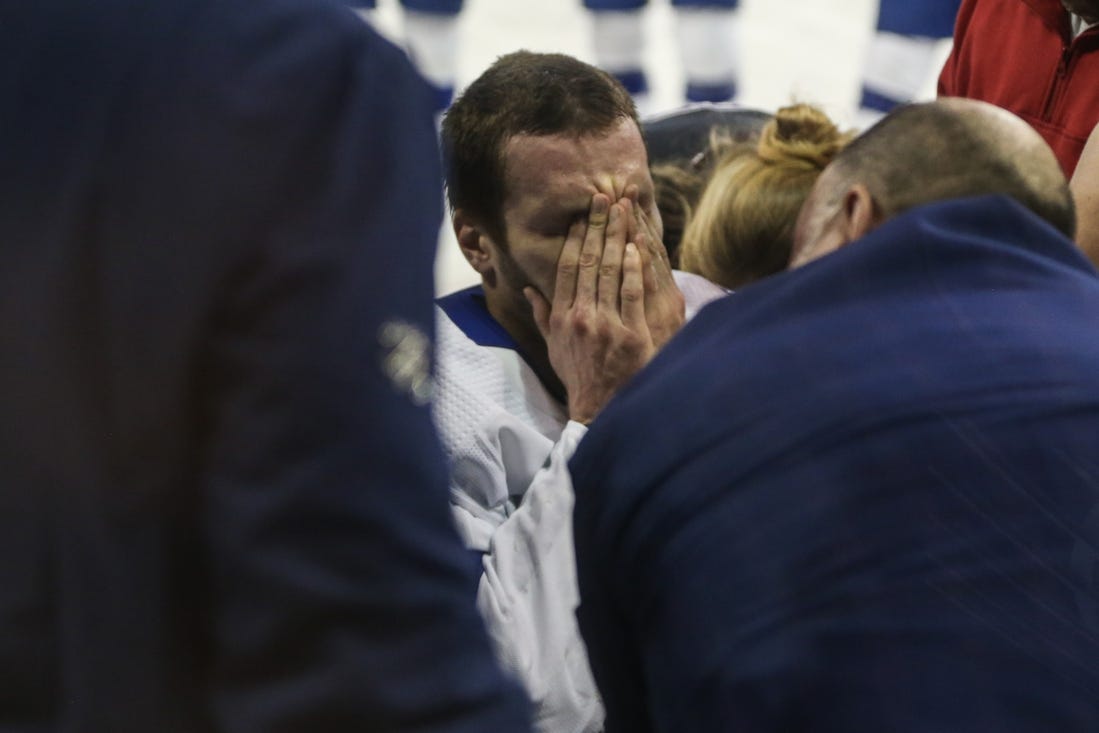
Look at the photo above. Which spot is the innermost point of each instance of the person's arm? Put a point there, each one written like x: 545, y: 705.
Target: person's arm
x: 598, y: 338
x: 528, y: 596
x: 1085, y: 190
x: 342, y: 599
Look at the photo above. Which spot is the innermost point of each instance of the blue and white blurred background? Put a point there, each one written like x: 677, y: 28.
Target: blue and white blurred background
x: 789, y: 50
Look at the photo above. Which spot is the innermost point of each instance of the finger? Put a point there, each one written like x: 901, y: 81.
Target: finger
x: 632, y: 224
x: 540, y: 307
x: 649, y: 276
x: 656, y: 250
x: 633, y: 195
x: 610, y: 268
x: 564, y: 289
x: 656, y: 244
x: 633, y: 289
x: 592, y: 250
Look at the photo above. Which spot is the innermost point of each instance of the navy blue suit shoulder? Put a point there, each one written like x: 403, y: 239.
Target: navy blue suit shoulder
x: 224, y: 504
x: 879, y: 507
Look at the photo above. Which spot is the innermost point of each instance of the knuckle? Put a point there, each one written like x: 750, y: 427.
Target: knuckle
x: 633, y: 343
x: 580, y: 323
x: 632, y: 293
x: 588, y: 260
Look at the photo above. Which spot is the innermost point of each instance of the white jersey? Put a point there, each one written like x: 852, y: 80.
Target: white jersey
x: 508, y: 442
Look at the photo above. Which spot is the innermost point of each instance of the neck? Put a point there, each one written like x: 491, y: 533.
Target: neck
x: 533, y: 347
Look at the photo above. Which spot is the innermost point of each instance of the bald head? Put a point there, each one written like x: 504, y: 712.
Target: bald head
x: 923, y: 153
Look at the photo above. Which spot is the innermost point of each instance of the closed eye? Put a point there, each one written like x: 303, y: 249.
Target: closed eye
x: 557, y: 224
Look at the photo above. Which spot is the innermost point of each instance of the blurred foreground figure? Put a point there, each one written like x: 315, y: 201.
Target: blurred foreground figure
x: 431, y: 39
x: 863, y: 495
x: 684, y: 146
x: 223, y: 506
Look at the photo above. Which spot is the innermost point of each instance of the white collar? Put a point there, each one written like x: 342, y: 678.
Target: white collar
x: 1079, y: 25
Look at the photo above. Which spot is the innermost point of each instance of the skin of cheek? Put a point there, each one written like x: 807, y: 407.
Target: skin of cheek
x: 531, y: 261
x: 530, y: 255
x: 809, y: 231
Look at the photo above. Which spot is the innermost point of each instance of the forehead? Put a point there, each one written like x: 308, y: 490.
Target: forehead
x: 567, y: 169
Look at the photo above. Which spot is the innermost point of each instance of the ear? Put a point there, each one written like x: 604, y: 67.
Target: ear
x: 858, y: 213
x: 477, y: 247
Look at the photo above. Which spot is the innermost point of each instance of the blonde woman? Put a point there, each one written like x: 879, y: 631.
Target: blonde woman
x: 742, y: 228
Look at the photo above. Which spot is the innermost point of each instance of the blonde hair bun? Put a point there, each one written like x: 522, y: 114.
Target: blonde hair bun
x: 801, y: 133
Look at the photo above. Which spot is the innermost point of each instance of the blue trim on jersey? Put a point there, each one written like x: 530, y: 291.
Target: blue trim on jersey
x: 635, y: 81
x: 469, y: 311
x: 443, y: 96
x: 613, y: 5
x: 926, y: 18
x: 730, y: 4
x: 711, y: 92
x: 879, y: 102
x: 439, y: 7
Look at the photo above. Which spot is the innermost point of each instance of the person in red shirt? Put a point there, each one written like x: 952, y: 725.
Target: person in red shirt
x: 1036, y: 58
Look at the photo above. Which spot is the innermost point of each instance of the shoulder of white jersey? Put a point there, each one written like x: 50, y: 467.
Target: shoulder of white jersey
x: 468, y: 310
x: 697, y: 290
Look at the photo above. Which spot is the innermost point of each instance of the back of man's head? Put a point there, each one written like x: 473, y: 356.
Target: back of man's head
x: 522, y: 93
x: 954, y: 148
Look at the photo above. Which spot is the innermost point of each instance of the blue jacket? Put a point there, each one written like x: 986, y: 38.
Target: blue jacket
x: 222, y: 502
x: 859, y: 496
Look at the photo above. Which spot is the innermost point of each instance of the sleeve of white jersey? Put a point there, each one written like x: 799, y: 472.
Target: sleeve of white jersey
x: 528, y: 596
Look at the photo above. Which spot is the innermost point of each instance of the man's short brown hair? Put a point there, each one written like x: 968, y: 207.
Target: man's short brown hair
x: 522, y: 93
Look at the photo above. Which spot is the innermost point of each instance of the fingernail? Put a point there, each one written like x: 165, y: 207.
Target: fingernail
x: 600, y: 204
x: 631, y: 248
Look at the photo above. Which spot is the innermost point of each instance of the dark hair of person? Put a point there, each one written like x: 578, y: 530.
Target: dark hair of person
x: 677, y: 189
x: 522, y: 93
x: 684, y: 146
